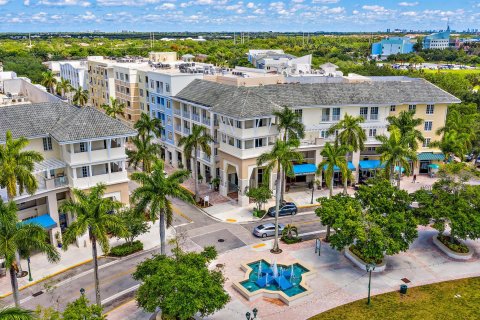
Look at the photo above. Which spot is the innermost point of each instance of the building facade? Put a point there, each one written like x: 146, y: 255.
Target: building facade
x: 75, y: 72
x: 101, y: 81
x: 439, y: 40
x: 81, y: 148
x: 392, y: 45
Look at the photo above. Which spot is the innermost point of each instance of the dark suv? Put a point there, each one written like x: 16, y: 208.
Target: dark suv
x: 287, y: 208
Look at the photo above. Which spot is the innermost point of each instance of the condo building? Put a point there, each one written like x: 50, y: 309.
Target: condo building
x: 75, y: 72
x: 81, y: 147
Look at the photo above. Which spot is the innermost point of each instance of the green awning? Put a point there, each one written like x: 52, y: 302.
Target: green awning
x: 430, y: 156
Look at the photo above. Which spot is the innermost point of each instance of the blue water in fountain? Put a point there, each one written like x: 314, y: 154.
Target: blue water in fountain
x: 251, y: 284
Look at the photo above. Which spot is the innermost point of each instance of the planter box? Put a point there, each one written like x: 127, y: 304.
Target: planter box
x: 361, y: 264
x: 452, y: 254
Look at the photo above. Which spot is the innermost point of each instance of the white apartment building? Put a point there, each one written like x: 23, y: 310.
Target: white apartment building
x: 81, y: 148
x: 75, y: 72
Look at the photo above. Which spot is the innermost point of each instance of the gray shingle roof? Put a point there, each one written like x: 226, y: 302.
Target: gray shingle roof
x: 61, y: 121
x: 249, y: 102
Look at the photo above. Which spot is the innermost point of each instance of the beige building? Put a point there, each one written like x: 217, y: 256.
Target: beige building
x: 101, y: 81
x: 81, y: 148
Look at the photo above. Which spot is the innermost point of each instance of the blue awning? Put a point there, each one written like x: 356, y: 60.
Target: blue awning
x: 370, y: 164
x: 44, y: 220
x: 396, y: 169
x: 335, y: 168
x: 303, y: 169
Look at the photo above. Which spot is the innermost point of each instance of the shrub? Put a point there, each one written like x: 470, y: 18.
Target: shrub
x: 290, y: 240
x: 126, y: 249
x: 259, y: 213
x: 456, y: 246
x: 356, y: 251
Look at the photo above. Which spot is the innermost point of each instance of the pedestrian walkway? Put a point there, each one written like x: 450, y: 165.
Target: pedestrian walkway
x: 75, y: 255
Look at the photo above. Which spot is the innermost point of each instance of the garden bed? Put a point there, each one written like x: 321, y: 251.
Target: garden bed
x: 292, y: 240
x: 352, y: 254
x: 456, y: 250
x: 126, y: 249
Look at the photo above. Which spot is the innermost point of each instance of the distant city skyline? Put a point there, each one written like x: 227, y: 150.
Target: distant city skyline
x: 234, y: 15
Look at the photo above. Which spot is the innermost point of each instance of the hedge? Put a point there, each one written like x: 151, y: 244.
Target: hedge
x: 456, y: 246
x: 126, y: 249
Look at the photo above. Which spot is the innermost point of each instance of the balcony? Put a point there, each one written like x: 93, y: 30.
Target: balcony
x: 178, y: 128
x: 108, y: 178
x: 97, y: 155
x: 206, y: 157
x: 177, y: 112
x: 186, y: 114
x: 206, y: 121
x: 195, y: 117
x: 186, y: 131
x: 325, y: 118
x: 374, y: 117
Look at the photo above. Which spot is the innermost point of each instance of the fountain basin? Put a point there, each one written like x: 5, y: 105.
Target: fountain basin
x: 287, y: 282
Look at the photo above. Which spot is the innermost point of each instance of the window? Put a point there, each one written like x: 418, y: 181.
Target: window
x: 392, y: 108
x: 47, y: 144
x: 259, y: 142
x: 141, y: 92
x: 168, y: 104
x: 231, y: 141
x: 372, y: 132
x: 158, y: 100
x: 239, y: 124
x: 299, y: 113
x: 323, y: 134
x: 167, y: 87
x: 121, y: 76
x: 428, y: 125
x: 142, y: 106
x: 426, y: 143
x: 239, y: 144
x: 364, y: 112
x: 374, y: 113
x: 116, y: 75
x: 170, y: 137
x: 336, y: 114
x: 126, y: 77
x: 83, y: 146
x: 412, y: 107
x: 430, y: 108
x: 85, y: 171
x: 127, y: 90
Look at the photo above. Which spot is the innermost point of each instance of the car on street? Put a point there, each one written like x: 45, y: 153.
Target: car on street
x: 267, y: 230
x: 286, y: 208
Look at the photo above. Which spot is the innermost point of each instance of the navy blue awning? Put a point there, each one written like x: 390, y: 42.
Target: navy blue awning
x: 44, y: 220
x: 303, y: 169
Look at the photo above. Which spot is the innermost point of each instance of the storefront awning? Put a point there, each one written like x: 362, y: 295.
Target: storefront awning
x: 48, y: 164
x: 434, y: 166
x: 370, y: 164
x: 396, y: 169
x: 303, y: 169
x: 350, y: 167
x: 426, y: 156
x: 44, y: 220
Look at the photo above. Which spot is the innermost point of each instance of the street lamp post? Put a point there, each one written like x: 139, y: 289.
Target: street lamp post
x: 313, y: 189
x: 249, y: 316
x: 370, y: 267
x: 29, y: 272
x: 82, y: 291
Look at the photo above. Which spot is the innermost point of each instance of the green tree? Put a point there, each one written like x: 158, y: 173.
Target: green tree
x: 395, y: 153
x: 260, y: 195
x: 80, y: 97
x: 333, y: 159
x: 114, y: 109
x: 351, y: 135
x: 16, y: 237
x: 181, y: 285
x: 16, y: 166
x: 280, y: 157
x: 290, y: 123
x: 147, y: 126
x: 81, y: 309
x: 14, y: 313
x: 134, y: 222
x: 49, y: 81
x: 94, y: 215
x: 155, y: 192
x: 145, y: 152
x: 64, y: 87
x: 198, y: 140
x: 407, y: 124
x: 453, y: 144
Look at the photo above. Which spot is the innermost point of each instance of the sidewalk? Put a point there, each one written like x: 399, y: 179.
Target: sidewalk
x: 71, y: 258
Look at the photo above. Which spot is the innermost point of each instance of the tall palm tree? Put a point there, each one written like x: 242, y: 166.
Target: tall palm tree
x: 14, y: 313
x: 147, y: 125
x: 198, y: 140
x: 290, y: 123
x: 395, y: 153
x: 16, y: 166
x: 144, y: 152
x: 154, y: 195
x: 64, y: 87
x: 80, y: 96
x: 281, y: 157
x: 16, y: 237
x: 454, y: 144
x: 351, y: 135
x: 94, y: 215
x: 114, y: 108
x: 49, y: 81
x: 407, y: 125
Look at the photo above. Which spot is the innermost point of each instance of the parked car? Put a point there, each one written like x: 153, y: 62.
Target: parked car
x: 286, y: 208
x: 267, y: 230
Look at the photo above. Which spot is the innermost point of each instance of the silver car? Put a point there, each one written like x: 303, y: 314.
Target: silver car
x: 267, y: 230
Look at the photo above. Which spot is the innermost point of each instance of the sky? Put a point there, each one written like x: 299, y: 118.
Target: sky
x: 234, y: 15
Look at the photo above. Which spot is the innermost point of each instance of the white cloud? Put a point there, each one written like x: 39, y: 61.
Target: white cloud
x: 88, y: 16
x: 64, y: 3
x: 326, y: 1
x: 336, y: 10
x: 166, y: 6
x: 3, y: 2
x: 409, y: 13
x: 119, y: 3
x: 26, y: 2
x: 297, y: 1
x: 250, y: 5
x: 259, y: 11
x: 375, y: 8
x: 408, y: 4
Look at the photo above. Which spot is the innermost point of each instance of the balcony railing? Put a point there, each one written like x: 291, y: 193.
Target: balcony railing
x: 374, y: 117
x: 186, y: 130
x: 186, y: 114
x: 195, y: 117
x: 178, y: 112
x: 206, y: 157
x: 178, y: 128
x: 325, y: 118
x: 206, y: 121
x: 335, y: 117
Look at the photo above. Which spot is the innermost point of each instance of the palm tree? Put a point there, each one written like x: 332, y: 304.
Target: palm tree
x: 64, y: 87
x: 351, y: 135
x: 291, y: 124
x: 198, y: 140
x: 49, y: 81
x: 94, y: 215
x: 290, y: 231
x: 115, y: 108
x: 147, y: 125
x: 16, y: 166
x: 407, y: 125
x: 144, y: 152
x: 395, y: 153
x: 155, y: 192
x: 454, y: 144
x: 16, y: 237
x: 280, y: 157
x: 14, y: 313
x: 80, y: 96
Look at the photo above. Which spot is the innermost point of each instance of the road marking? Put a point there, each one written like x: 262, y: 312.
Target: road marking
x: 121, y: 293
x: 259, y: 245
x: 231, y: 220
x: 177, y: 211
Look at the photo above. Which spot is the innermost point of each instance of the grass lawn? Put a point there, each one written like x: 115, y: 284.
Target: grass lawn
x: 460, y: 71
x: 458, y: 299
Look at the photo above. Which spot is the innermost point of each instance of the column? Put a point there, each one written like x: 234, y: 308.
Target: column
x: 243, y: 200
x: 356, y: 163
x: 53, y: 212
x: 89, y: 148
x: 224, y: 180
